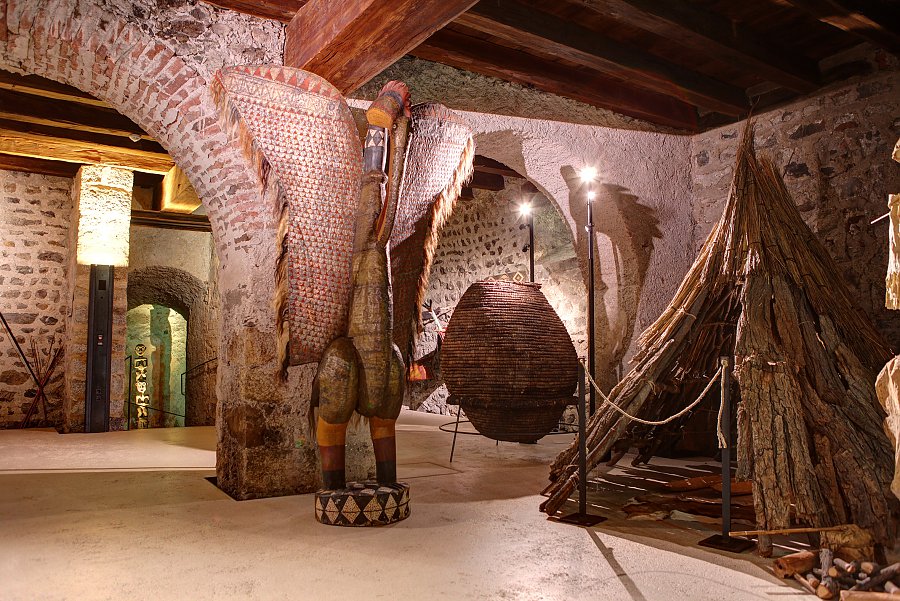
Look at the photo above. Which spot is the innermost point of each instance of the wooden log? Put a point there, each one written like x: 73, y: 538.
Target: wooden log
x: 812, y: 580
x: 869, y: 567
x: 786, y: 531
x: 738, y: 487
x: 890, y: 587
x: 827, y: 588
x: 795, y: 563
x: 879, y: 578
x: 866, y: 596
x: 848, y: 567
x: 695, y: 483
x: 807, y: 582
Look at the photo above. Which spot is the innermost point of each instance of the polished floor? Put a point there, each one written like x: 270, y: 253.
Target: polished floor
x: 130, y: 515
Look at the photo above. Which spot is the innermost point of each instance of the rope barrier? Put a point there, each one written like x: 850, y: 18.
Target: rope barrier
x: 712, y: 381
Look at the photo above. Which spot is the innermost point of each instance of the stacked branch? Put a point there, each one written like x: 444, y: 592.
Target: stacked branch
x: 765, y: 290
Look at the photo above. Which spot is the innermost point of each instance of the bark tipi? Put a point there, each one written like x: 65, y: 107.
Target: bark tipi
x: 765, y: 290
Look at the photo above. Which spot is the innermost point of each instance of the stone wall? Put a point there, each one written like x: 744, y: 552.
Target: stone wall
x: 484, y: 239
x: 186, y: 250
x: 35, y: 217
x: 834, y: 150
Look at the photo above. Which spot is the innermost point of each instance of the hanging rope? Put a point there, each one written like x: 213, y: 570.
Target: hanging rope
x: 712, y: 381
x: 723, y: 442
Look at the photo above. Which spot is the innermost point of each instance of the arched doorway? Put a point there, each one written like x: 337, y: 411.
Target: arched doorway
x: 171, y: 313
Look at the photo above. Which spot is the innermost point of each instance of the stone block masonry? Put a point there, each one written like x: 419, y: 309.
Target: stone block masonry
x: 101, y: 198
x: 834, y: 150
x: 35, y: 218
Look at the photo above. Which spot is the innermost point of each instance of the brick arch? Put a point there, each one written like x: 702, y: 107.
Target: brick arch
x: 77, y: 43
x: 87, y: 45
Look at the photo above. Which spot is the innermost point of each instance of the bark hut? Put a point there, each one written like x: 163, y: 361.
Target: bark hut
x: 764, y: 289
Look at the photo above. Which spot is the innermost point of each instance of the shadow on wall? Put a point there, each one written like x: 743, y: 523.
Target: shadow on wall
x: 623, y: 250
x: 192, y: 298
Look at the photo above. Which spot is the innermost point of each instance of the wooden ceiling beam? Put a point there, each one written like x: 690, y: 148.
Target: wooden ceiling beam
x: 171, y: 221
x: 10, y: 162
x: 462, y: 51
x: 46, y: 88
x: 39, y: 146
x: 36, y: 110
x: 486, y: 181
x: 550, y: 35
x: 708, y: 32
x: 277, y: 10
x: 873, y: 21
x: 482, y: 164
x: 348, y: 42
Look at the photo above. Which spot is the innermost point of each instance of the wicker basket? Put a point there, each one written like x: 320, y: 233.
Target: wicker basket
x: 508, y: 360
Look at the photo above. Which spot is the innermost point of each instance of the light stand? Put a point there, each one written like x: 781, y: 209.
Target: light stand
x: 587, y: 176
x: 582, y: 517
x: 526, y: 212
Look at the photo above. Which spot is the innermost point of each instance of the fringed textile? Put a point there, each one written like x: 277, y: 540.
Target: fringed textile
x: 439, y: 162
x: 297, y: 130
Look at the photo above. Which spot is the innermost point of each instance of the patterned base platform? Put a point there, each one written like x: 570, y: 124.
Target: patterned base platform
x: 363, y: 504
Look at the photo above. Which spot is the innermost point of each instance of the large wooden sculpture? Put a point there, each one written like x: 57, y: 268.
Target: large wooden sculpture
x: 344, y: 270
x: 364, y: 371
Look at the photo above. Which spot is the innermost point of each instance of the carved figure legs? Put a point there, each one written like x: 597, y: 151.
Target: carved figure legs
x: 337, y: 384
x: 340, y: 379
x: 382, y: 424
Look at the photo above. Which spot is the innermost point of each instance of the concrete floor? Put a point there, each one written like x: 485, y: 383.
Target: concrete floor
x: 130, y: 515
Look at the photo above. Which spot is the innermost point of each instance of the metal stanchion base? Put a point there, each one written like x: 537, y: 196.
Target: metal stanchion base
x: 727, y: 543
x: 581, y: 519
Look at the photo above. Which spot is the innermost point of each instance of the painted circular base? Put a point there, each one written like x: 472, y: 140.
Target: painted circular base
x: 363, y: 504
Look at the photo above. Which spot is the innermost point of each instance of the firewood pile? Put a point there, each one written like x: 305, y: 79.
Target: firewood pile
x: 765, y: 290
x: 830, y: 577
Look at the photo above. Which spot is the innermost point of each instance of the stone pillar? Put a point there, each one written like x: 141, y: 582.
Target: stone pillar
x: 101, y: 220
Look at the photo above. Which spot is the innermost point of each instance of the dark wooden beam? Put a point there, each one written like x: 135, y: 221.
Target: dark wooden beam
x: 348, y: 42
x: 457, y: 49
x: 874, y: 21
x: 10, y: 162
x: 486, y: 181
x: 47, y: 88
x: 550, y: 35
x: 710, y: 33
x: 485, y: 165
x: 277, y: 10
x: 172, y: 221
x: 26, y: 108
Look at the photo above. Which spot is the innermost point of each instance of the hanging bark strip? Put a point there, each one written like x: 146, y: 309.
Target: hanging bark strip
x: 809, y: 424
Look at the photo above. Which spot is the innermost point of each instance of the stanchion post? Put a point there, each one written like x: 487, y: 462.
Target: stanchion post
x: 724, y: 541
x: 725, y: 363
x: 582, y: 517
x: 582, y: 445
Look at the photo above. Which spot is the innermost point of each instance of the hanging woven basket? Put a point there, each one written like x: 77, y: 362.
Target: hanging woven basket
x: 508, y: 360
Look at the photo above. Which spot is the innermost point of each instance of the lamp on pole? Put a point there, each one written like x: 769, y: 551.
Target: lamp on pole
x: 588, y: 174
x: 527, y: 213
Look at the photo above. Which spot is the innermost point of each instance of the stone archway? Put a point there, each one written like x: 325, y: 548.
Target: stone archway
x: 261, y: 448
x: 184, y: 293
